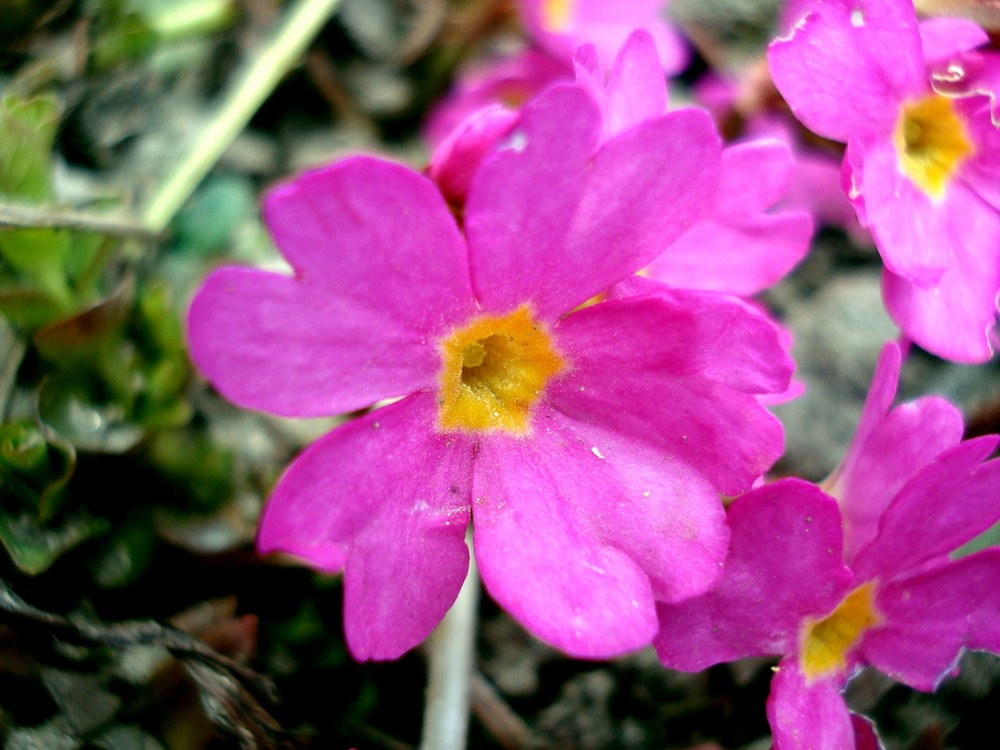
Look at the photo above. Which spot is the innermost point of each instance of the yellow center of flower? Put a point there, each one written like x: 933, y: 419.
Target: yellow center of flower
x: 931, y: 143
x: 826, y: 642
x: 493, y: 371
x: 555, y: 14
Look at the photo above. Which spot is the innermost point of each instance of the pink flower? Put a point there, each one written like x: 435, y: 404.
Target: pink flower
x: 898, y: 604
x: 560, y: 26
x: 815, y: 183
x: 738, y: 246
x: 921, y: 167
x: 588, y: 448
x: 508, y: 81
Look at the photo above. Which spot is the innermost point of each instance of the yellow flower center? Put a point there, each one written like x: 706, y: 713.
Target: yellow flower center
x: 826, y: 642
x: 555, y: 14
x: 931, y: 143
x: 493, y: 371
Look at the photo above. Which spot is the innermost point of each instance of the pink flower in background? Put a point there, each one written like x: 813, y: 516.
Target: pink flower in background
x: 814, y: 186
x: 560, y: 26
x: 507, y: 81
x: 921, y: 168
x: 738, y: 246
x: 588, y: 448
x: 899, y: 604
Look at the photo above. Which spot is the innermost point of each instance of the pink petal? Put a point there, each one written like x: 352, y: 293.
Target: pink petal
x: 944, y: 505
x: 869, y: 48
x: 607, y: 27
x: 288, y: 346
x: 755, y: 175
x: 600, y: 217
x: 806, y: 716
x: 889, y: 447
x: 510, y: 80
x: 932, y: 617
x: 385, y: 498
x: 366, y: 228
x: 736, y: 247
x: 636, y: 89
x: 539, y: 555
x: 680, y: 369
x: 664, y: 515
x: 915, y: 235
x: 458, y: 157
x: 943, y: 38
x: 865, y: 736
x: 981, y: 172
x: 953, y: 319
x: 353, y: 325
x: 783, y: 565
x: 974, y: 74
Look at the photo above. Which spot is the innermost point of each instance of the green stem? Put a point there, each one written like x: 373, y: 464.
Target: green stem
x: 48, y: 217
x: 304, y: 21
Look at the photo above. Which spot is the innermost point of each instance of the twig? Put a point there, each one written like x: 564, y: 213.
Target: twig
x: 508, y: 729
x: 303, y: 22
x: 47, y: 217
x: 452, y: 647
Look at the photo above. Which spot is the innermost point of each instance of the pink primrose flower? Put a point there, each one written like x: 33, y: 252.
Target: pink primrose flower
x: 738, y: 246
x: 560, y: 26
x: 921, y: 166
x: 588, y: 448
x: 882, y: 592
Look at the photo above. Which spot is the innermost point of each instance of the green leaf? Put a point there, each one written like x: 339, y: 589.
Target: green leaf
x: 33, y: 548
x: 35, y: 465
x: 27, y: 307
x: 125, y: 554
x: 23, y: 448
x: 27, y: 131
x: 40, y: 256
x: 70, y: 409
x: 12, y: 349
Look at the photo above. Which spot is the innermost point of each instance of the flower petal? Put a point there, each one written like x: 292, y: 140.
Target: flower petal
x: 387, y: 499
x: 932, y: 617
x: 847, y: 64
x: 735, y: 247
x: 889, y: 447
x: 944, y: 505
x: 379, y: 234
x: 807, y: 716
x: 539, y: 556
x: 289, y: 346
x: 635, y: 90
x: 607, y: 27
x: 665, y: 516
x: 954, y: 318
x: 680, y: 370
x: 784, y: 565
x: 916, y: 236
x: 942, y: 38
x: 601, y: 215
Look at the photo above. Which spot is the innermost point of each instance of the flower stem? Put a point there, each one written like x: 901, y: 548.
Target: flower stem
x: 451, y: 653
x: 303, y: 22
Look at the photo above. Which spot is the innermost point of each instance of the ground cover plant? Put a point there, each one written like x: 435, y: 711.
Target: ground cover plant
x: 547, y: 373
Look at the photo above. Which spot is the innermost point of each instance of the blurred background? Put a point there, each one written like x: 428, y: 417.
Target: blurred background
x: 136, y: 137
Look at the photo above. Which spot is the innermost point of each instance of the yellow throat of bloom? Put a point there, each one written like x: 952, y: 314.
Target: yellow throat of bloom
x: 555, y: 14
x: 825, y: 642
x: 931, y: 143
x: 493, y: 371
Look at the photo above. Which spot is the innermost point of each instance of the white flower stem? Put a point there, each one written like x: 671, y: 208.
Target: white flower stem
x: 451, y: 650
